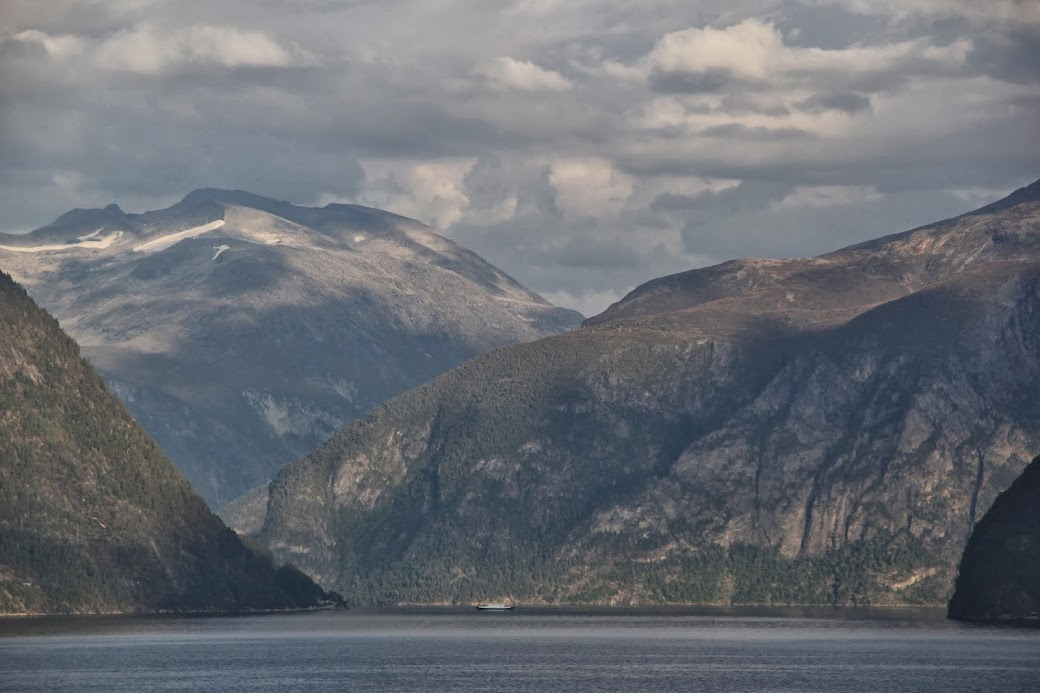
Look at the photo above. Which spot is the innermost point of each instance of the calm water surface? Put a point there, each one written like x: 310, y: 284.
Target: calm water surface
x: 527, y: 650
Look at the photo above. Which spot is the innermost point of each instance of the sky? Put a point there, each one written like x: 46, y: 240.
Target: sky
x: 582, y: 146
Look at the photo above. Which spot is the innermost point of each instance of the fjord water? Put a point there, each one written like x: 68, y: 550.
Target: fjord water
x: 526, y: 650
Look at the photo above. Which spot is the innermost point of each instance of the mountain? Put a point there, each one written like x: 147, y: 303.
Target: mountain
x: 999, y: 576
x: 242, y: 331
x: 821, y: 430
x: 93, y: 517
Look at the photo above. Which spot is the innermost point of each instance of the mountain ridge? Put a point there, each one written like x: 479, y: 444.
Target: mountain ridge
x: 820, y: 430
x: 243, y: 336
x: 741, y: 276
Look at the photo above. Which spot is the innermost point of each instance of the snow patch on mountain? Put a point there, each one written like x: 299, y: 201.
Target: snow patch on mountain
x: 164, y: 242
x: 85, y: 242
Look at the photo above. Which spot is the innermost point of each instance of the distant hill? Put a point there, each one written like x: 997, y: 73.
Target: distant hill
x: 999, y: 576
x: 242, y: 331
x: 93, y: 517
x: 816, y: 430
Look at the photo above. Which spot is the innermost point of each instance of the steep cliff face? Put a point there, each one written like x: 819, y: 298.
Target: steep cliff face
x: 93, y: 517
x: 812, y: 430
x: 999, y: 575
x: 242, y: 331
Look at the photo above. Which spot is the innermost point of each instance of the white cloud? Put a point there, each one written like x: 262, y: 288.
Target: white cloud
x: 746, y: 50
x: 60, y: 47
x: 697, y: 116
x: 432, y: 191
x: 589, y: 187
x: 522, y: 75
x: 754, y: 50
x: 146, y: 49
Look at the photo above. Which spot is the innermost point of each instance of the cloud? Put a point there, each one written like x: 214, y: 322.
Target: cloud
x: 589, y: 187
x: 588, y: 303
x: 432, y: 192
x: 58, y: 47
x: 820, y: 196
x: 848, y: 101
x: 522, y: 75
x: 582, y: 146
x: 1017, y: 11
x: 742, y: 51
x: 754, y: 52
x: 591, y: 251
x: 145, y: 49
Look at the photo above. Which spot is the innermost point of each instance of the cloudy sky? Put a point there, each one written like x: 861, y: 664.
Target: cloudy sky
x: 584, y: 146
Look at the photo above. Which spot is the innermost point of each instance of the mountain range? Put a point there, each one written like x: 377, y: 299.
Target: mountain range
x: 814, y: 430
x: 242, y: 331
x: 93, y: 517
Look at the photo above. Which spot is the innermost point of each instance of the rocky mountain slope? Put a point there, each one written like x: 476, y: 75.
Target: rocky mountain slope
x: 821, y: 430
x: 242, y: 331
x: 93, y: 517
x: 999, y: 576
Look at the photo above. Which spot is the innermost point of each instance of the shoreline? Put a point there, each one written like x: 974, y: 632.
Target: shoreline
x: 167, y: 613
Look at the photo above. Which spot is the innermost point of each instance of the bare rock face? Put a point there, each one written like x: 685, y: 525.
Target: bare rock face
x: 242, y: 331
x: 823, y: 430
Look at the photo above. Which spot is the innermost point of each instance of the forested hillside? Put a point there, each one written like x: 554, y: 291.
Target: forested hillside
x: 93, y: 517
x: 999, y: 576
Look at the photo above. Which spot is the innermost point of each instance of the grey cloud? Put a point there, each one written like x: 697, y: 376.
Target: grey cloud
x: 742, y: 104
x: 750, y: 195
x: 391, y: 82
x: 12, y: 49
x: 832, y: 27
x: 694, y: 82
x: 591, y: 252
x: 847, y: 101
x: 738, y: 130
x: 554, y: 269
x: 771, y: 232
x: 1012, y: 56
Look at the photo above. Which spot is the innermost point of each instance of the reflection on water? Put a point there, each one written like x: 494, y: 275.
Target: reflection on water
x: 717, y: 649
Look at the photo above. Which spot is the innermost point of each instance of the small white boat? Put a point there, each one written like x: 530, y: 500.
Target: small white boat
x: 495, y: 606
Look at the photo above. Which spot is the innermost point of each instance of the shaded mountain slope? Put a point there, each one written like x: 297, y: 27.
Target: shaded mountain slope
x: 243, y: 331
x: 820, y: 430
x: 999, y: 576
x: 93, y: 516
